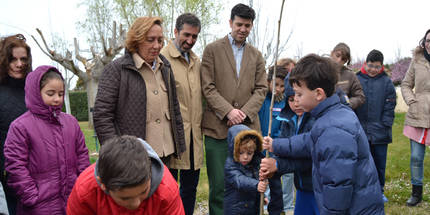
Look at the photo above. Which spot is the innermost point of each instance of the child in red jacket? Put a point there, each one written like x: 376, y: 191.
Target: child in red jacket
x: 128, y: 178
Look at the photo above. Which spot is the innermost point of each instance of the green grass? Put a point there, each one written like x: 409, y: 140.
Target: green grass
x: 397, y: 185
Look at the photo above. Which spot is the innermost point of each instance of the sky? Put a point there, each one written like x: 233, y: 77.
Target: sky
x: 316, y: 26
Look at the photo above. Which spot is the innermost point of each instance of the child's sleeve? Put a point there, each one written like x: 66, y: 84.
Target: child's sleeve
x: 389, y: 104
x: 16, y: 162
x: 287, y: 165
x: 294, y: 147
x: 337, y: 154
x: 237, y: 179
x: 81, y: 151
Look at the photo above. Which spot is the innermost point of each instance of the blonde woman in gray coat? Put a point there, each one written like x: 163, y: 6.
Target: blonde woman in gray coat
x: 416, y: 93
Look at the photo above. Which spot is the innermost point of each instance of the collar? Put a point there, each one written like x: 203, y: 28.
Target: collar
x: 139, y: 62
x: 183, y: 53
x: 176, y: 53
x: 233, y: 42
x: 324, y: 105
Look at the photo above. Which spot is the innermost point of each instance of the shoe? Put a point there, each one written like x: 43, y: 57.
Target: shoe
x: 384, y: 198
x: 417, y: 195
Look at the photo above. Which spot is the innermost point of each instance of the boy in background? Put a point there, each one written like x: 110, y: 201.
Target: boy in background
x: 295, y: 121
x: 344, y: 177
x: 264, y: 114
x: 376, y: 115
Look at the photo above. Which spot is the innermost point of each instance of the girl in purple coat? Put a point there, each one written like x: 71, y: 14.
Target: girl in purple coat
x: 45, y: 149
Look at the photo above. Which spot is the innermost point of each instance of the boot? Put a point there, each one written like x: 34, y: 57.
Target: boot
x: 417, y: 195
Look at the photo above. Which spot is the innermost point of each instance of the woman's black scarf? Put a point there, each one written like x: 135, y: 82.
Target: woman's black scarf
x: 426, y: 55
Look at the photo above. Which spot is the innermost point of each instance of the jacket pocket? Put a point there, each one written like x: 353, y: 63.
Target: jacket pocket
x: 413, y: 111
x: 379, y: 133
x: 46, y: 190
x: 337, y: 198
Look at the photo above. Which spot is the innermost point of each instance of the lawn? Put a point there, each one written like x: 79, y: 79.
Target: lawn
x: 397, y: 187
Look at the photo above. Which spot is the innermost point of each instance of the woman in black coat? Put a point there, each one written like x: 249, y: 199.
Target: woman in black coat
x: 15, y: 64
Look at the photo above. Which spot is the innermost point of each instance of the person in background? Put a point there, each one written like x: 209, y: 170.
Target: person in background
x: 15, y: 64
x: 376, y: 115
x: 3, y: 202
x: 128, y: 178
x: 287, y: 63
x: 186, y: 68
x: 348, y: 81
x: 45, y: 148
x: 137, y: 93
x: 416, y: 93
x: 287, y: 191
x: 234, y: 85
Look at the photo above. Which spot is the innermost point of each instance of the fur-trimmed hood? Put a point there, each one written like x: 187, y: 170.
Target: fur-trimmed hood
x: 236, y: 134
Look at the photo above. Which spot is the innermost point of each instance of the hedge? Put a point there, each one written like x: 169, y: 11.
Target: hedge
x: 78, y: 105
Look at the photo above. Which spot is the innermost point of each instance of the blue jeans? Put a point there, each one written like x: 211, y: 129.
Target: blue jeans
x: 418, y: 151
x: 288, y: 191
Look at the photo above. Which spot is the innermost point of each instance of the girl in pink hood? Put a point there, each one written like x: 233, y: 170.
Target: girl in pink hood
x: 45, y: 149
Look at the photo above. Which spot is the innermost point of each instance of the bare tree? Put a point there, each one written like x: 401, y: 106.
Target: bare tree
x: 92, y: 66
x: 263, y: 36
x: 104, y: 42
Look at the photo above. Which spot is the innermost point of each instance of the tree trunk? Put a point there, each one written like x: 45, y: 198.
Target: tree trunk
x: 92, y: 86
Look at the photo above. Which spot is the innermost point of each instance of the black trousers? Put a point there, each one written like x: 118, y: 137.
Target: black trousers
x: 188, y: 180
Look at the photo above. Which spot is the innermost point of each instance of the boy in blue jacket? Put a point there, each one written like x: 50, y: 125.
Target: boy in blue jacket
x: 344, y: 176
x: 376, y: 115
x: 287, y: 191
x: 242, y: 185
x: 295, y: 121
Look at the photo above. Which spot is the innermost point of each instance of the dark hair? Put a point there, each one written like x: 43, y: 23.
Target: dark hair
x: 423, y: 40
x: 7, y: 44
x: 123, y: 163
x: 50, y: 75
x: 242, y: 11
x: 281, y: 72
x: 316, y: 72
x: 345, y: 51
x: 187, y: 18
x: 375, y: 56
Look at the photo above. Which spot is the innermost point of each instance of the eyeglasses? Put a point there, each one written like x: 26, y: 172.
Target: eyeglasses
x: 21, y: 37
x: 374, y: 66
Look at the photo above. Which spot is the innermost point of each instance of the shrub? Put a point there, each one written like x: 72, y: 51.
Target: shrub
x: 398, y: 70
x: 78, y: 105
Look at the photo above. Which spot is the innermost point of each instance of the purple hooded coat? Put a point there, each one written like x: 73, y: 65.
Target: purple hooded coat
x: 44, y: 152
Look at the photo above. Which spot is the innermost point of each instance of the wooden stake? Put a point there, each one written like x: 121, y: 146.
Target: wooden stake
x: 269, y: 131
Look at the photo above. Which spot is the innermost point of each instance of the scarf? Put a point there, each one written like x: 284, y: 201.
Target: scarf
x: 426, y: 55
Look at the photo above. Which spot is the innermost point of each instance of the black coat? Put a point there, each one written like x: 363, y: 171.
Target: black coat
x: 12, y: 105
x: 376, y: 115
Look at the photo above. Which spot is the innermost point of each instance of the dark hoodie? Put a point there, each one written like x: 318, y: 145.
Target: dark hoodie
x: 240, y: 191
x: 88, y: 198
x: 290, y: 127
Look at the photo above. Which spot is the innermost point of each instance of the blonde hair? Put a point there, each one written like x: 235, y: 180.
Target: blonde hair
x: 138, y: 31
x: 284, y: 62
x: 249, y: 143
